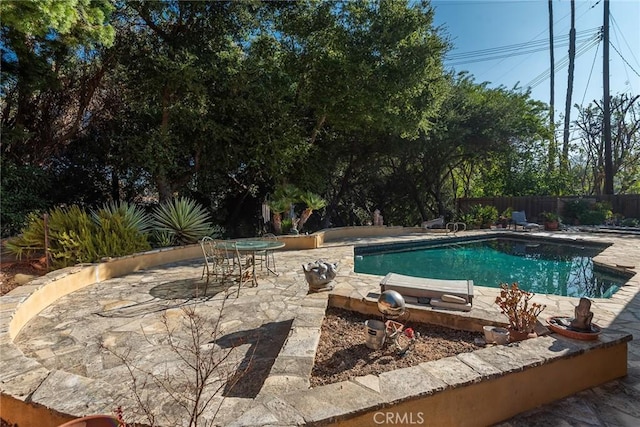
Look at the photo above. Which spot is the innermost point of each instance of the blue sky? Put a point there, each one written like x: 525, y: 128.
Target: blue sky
x: 474, y: 25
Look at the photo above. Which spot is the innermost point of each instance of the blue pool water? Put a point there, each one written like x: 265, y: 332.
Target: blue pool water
x: 540, y: 267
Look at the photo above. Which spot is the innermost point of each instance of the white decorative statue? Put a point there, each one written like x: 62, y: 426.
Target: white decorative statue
x: 319, y: 274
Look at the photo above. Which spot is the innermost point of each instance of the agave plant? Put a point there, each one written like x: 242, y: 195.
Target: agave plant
x: 182, y: 219
x: 132, y: 215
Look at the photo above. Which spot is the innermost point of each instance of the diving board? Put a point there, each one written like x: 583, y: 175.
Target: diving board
x: 434, y: 289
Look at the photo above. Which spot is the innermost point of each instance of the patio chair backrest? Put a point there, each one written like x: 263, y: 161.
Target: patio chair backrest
x: 519, y: 217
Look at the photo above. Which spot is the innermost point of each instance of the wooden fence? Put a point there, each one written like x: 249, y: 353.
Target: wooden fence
x: 627, y: 205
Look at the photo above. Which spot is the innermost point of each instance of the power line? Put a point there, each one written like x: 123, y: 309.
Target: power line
x: 517, y: 53
x: 542, y: 77
x: 623, y: 58
x: 590, y: 73
x: 561, y: 64
x: 533, y: 38
x: 626, y: 71
x: 625, y: 40
x: 518, y: 48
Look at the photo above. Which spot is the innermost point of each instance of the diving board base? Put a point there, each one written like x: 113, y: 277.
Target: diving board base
x: 438, y: 303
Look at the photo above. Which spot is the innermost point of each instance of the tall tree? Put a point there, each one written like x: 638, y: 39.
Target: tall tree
x: 51, y: 71
x: 475, y: 126
x: 365, y: 64
x: 625, y: 136
x: 363, y: 70
x: 176, y: 64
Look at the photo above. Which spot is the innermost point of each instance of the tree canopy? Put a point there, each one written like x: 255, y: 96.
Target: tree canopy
x: 226, y: 101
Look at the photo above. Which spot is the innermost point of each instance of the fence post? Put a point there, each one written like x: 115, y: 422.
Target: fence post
x: 46, y: 240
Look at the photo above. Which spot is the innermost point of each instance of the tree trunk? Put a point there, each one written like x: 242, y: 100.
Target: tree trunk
x: 331, y: 207
x: 115, y: 186
x: 277, y: 223
x: 165, y: 190
x: 304, y: 217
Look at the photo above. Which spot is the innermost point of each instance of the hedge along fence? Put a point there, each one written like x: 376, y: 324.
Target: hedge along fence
x: 627, y: 205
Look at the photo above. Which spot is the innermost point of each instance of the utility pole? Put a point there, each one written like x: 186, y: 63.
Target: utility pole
x: 564, y: 161
x: 608, y: 161
x: 552, y: 143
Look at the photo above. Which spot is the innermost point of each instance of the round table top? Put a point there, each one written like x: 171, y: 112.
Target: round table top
x: 256, y: 245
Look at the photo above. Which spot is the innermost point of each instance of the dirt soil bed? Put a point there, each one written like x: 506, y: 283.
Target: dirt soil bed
x: 9, y: 270
x: 342, y: 353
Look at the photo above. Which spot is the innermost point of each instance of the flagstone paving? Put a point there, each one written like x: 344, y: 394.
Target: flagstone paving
x: 274, y: 326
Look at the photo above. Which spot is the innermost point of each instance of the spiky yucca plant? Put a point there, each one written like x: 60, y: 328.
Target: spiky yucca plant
x: 132, y: 216
x: 183, y: 219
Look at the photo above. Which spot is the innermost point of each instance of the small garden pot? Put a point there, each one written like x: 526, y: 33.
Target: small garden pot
x: 551, y: 225
x: 515, y: 336
x: 496, y: 335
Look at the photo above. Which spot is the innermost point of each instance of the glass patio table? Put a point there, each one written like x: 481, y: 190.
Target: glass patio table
x: 251, y: 247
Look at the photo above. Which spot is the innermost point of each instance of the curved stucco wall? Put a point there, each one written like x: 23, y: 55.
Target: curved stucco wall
x: 42, y: 292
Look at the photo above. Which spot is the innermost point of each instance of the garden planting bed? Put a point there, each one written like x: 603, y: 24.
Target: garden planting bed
x: 342, y: 353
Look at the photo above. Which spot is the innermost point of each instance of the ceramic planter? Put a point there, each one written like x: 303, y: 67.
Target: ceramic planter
x: 496, y: 335
x: 551, y: 225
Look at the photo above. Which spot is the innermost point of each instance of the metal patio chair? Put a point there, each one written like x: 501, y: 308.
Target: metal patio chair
x: 223, y: 261
x: 266, y: 258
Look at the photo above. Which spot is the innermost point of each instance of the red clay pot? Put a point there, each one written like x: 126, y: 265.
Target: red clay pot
x: 515, y: 336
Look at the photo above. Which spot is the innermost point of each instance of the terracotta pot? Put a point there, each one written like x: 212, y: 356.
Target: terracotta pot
x: 515, y: 336
x: 93, y: 421
x: 551, y: 226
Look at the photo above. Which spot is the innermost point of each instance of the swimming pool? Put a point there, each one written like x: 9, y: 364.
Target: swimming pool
x: 540, y: 266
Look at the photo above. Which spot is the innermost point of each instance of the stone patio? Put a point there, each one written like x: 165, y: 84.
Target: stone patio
x: 57, y: 361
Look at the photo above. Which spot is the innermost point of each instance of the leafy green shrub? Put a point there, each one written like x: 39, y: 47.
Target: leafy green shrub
x: 604, y: 208
x: 31, y: 240
x: 70, y: 237
x: 183, y: 220
x: 592, y: 218
x: 469, y: 220
x: 480, y: 216
x: 119, y: 232
x: 161, y: 239
x: 630, y: 222
x: 77, y: 237
x: 595, y: 215
x: 574, y: 209
x: 287, y: 225
x: 507, y: 213
x: 550, y: 216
